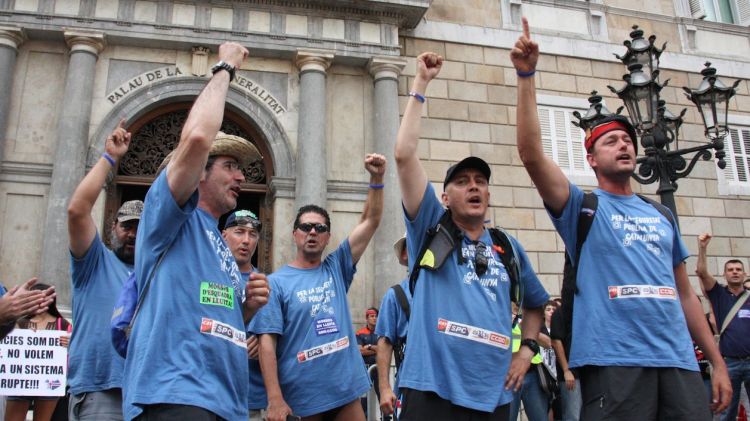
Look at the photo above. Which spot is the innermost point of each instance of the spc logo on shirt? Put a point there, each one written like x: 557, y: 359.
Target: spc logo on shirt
x: 224, y: 331
x: 473, y: 333
x: 325, y: 349
x: 641, y: 291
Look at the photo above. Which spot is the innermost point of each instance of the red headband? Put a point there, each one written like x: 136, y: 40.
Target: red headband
x: 600, y: 130
x: 369, y: 312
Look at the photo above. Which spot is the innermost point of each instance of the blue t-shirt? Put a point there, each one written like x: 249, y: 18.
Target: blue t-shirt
x: 97, y: 277
x: 459, y: 330
x: 627, y: 290
x: 319, y: 364
x: 735, y: 341
x: 392, y: 322
x: 188, y: 342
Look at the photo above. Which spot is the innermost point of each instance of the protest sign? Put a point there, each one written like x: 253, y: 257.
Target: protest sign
x: 33, y: 363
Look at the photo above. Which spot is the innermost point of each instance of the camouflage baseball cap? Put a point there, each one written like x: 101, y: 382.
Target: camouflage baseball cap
x: 132, y: 209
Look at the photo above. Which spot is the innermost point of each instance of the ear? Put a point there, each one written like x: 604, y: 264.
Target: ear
x: 224, y: 234
x: 444, y: 197
x: 591, y: 160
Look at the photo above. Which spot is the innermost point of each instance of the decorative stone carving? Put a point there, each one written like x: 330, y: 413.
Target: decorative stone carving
x: 12, y: 37
x: 200, y: 60
x: 160, y: 136
x: 90, y: 42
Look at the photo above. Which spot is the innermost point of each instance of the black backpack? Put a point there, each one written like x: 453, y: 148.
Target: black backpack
x: 403, y: 302
x: 446, y: 236
x: 570, y: 271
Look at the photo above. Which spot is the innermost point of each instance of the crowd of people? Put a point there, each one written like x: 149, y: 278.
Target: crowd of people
x: 472, y: 330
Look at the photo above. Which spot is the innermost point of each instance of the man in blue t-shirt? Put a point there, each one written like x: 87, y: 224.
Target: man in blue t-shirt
x: 187, y: 354
x: 458, y: 364
x: 97, y: 272
x: 631, y: 276
x: 391, y: 330
x: 241, y: 232
x: 735, y: 338
x: 308, y: 354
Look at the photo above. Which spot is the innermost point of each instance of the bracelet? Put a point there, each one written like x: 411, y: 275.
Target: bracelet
x: 418, y: 96
x: 377, y: 186
x: 525, y: 74
x: 109, y: 158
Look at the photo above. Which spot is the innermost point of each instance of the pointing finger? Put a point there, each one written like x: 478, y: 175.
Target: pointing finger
x: 121, y: 125
x: 526, y: 32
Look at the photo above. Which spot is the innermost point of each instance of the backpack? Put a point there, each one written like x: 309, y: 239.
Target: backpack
x: 403, y: 302
x: 570, y: 271
x: 126, y: 309
x: 445, y: 237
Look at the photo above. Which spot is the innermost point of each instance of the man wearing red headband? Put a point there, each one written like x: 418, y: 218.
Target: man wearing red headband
x: 631, y: 277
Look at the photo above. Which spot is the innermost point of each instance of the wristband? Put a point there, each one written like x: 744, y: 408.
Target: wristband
x: 525, y: 74
x: 109, y: 159
x: 377, y: 186
x: 418, y: 96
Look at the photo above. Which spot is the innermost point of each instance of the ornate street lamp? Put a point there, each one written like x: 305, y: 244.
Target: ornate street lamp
x: 656, y: 126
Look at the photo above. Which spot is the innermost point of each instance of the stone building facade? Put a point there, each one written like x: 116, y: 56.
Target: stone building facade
x: 324, y: 85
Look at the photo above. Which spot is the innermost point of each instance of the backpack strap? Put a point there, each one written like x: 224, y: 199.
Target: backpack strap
x: 403, y: 302
x: 733, y: 311
x: 142, y: 295
x: 585, y: 220
x: 508, y: 255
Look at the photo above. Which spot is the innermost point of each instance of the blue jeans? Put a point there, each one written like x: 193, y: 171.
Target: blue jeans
x: 739, y: 372
x: 535, y: 401
x: 571, y: 401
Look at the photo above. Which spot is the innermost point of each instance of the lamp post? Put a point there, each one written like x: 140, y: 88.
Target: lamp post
x: 656, y: 126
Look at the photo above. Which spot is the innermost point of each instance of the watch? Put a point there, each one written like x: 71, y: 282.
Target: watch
x: 222, y: 65
x: 531, y: 344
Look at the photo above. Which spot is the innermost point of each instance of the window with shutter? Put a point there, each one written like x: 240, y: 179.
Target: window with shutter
x: 738, y: 156
x: 562, y: 141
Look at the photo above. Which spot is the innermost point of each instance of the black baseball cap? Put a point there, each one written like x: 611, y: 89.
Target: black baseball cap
x: 471, y: 162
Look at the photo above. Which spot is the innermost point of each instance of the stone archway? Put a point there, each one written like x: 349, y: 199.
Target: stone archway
x: 155, y: 115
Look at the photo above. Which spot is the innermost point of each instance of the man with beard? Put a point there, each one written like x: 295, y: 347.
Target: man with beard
x: 187, y: 353
x: 95, y: 369
x: 629, y: 284
x: 311, y: 365
x: 241, y: 232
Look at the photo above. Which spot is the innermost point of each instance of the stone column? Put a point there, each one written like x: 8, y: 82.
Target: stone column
x: 312, y: 168
x: 385, y: 73
x: 10, y: 39
x: 70, y: 157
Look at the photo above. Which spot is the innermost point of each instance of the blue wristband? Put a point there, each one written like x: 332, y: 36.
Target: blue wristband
x: 525, y: 74
x: 418, y: 96
x: 109, y: 159
x: 377, y: 186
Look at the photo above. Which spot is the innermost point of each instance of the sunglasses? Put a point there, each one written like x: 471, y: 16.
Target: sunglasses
x: 480, y: 259
x: 307, y: 227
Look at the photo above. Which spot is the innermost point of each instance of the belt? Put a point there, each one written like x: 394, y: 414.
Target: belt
x: 746, y: 358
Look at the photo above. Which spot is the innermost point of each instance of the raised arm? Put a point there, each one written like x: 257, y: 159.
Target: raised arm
x: 81, y: 226
x: 544, y: 172
x: 411, y: 175
x: 707, y: 281
x: 203, y: 123
x: 277, y: 407
x: 373, y: 211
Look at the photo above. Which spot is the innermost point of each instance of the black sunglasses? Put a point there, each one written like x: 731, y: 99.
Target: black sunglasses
x: 307, y: 227
x: 480, y: 259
